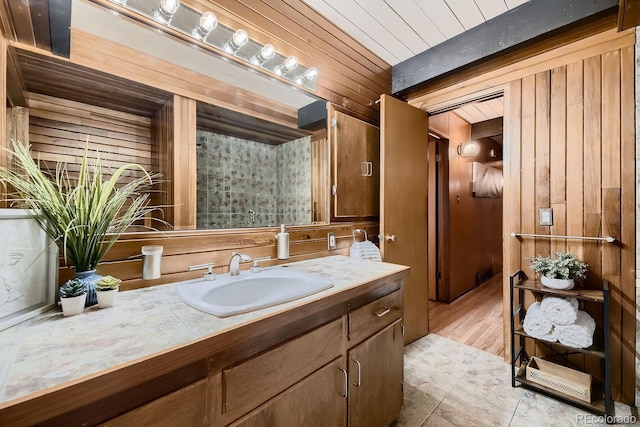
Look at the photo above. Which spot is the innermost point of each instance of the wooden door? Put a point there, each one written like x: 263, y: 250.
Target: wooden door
x: 375, y: 378
x: 317, y: 401
x: 355, y: 152
x: 403, y: 198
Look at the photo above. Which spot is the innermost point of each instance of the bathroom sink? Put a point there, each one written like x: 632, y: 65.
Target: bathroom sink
x: 229, y: 295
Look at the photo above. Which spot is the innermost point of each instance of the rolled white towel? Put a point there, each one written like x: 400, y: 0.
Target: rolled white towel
x: 365, y: 250
x: 560, y: 311
x: 578, y: 335
x: 538, y: 326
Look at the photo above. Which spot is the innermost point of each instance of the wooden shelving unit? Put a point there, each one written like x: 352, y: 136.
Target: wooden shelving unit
x: 601, y: 402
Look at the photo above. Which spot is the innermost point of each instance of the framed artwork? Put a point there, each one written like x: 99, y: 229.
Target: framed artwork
x: 28, y: 268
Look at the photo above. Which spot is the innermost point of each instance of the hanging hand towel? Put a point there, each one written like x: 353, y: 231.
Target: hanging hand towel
x: 538, y: 326
x: 560, y: 311
x: 365, y: 250
x: 578, y: 335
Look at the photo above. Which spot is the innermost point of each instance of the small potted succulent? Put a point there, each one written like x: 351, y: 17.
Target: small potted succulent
x: 559, y: 272
x: 73, y: 295
x: 107, y: 291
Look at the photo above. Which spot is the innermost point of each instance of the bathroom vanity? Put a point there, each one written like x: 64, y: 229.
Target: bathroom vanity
x: 326, y: 359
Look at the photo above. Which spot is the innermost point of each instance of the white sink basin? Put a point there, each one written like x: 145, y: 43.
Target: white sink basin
x: 229, y: 295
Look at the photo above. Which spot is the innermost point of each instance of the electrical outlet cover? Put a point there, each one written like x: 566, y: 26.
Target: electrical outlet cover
x: 331, y: 241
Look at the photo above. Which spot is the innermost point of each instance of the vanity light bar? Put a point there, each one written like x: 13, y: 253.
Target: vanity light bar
x: 204, y: 29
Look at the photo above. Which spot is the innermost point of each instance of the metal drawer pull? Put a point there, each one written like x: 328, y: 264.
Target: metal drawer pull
x: 346, y: 383
x: 383, y: 312
x: 357, y: 384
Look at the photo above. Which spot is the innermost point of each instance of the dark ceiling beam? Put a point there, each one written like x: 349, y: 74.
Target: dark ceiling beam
x: 60, y: 27
x: 487, y: 129
x: 530, y: 21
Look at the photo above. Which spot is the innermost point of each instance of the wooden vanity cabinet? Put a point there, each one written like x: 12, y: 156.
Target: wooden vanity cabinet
x: 355, y: 157
x: 362, y: 387
x: 375, y: 378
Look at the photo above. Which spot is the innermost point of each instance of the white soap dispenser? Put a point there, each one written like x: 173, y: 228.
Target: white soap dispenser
x: 282, y: 240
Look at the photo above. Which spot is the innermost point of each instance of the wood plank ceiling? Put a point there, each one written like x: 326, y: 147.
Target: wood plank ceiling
x: 398, y: 30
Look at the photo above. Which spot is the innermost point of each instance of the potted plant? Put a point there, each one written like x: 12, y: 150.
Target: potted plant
x: 559, y: 272
x: 83, y: 216
x: 107, y: 291
x: 72, y: 297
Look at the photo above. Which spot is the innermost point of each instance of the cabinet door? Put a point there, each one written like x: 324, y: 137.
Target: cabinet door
x: 317, y: 401
x: 375, y: 379
x: 355, y: 151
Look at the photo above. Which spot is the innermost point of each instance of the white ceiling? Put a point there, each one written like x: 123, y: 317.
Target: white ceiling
x: 396, y: 30
x: 481, y: 111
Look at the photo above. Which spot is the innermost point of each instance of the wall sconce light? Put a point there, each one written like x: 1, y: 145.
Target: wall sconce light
x: 206, y: 24
x: 308, y: 75
x: 289, y: 64
x: 267, y: 52
x: 470, y: 149
x: 239, y: 39
x: 166, y: 11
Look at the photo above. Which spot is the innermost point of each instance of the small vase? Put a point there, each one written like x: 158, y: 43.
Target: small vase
x: 107, y: 298
x: 90, y: 278
x: 74, y: 305
x: 564, y: 284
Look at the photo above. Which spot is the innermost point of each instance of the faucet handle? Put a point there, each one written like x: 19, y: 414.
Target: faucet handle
x: 256, y: 267
x: 210, y: 275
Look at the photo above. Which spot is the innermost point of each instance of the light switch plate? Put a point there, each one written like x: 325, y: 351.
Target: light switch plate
x: 546, y: 216
x: 331, y: 241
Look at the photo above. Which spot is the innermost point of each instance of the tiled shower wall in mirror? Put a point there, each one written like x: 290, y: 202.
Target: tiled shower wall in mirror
x: 244, y: 183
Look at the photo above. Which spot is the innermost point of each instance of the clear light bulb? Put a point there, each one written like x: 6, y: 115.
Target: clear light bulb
x: 239, y: 39
x: 206, y: 24
x: 166, y: 11
x: 310, y: 74
x: 267, y: 52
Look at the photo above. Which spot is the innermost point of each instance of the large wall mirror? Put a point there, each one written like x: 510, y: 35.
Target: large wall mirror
x: 251, y: 172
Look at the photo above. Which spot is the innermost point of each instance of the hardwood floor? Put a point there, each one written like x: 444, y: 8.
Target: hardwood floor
x: 474, y: 319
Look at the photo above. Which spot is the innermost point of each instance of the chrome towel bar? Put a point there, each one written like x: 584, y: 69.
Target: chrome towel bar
x: 553, y: 236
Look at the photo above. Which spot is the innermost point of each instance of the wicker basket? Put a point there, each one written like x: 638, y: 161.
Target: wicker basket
x: 559, y: 378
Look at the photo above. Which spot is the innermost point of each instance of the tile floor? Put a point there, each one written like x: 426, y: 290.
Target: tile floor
x: 451, y: 384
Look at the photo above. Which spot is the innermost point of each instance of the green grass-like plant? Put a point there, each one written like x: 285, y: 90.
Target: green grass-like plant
x: 73, y: 288
x: 564, y: 266
x: 84, y: 217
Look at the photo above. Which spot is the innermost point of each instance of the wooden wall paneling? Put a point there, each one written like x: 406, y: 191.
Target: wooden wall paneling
x: 40, y: 22
x: 444, y: 209
x: 575, y: 146
x: 432, y: 216
x: 592, y: 164
x: 558, y: 156
x: 541, y: 157
x: 3, y: 114
x: 527, y: 171
x: 511, y: 196
x: 162, y: 162
x: 15, y: 87
x: 544, y: 58
x: 21, y: 15
x: 18, y: 125
x: 184, y: 163
x: 291, y: 27
x: 133, y: 65
x: 628, y: 223
x: 6, y: 22
x: 320, y: 178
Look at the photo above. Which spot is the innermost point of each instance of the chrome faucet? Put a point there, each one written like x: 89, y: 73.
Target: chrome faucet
x: 234, y: 263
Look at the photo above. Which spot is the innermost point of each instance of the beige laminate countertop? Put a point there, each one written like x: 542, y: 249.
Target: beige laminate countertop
x: 50, y: 350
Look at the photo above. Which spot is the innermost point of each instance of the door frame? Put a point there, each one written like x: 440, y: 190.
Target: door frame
x: 509, y: 258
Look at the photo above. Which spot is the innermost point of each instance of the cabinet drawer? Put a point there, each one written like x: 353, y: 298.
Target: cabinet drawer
x: 374, y: 316
x: 258, y: 379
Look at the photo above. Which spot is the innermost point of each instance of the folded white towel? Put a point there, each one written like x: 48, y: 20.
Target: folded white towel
x: 538, y: 326
x: 560, y: 311
x: 365, y: 250
x: 578, y: 335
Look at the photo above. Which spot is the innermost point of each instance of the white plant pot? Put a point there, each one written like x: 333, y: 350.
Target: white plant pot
x: 74, y: 305
x: 107, y: 298
x: 558, y: 283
